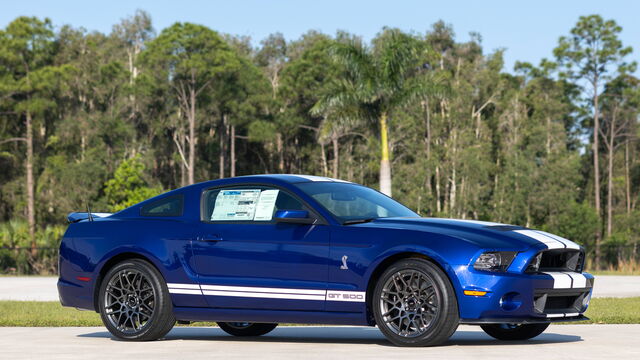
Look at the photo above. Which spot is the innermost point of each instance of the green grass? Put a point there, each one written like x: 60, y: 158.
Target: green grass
x: 50, y: 313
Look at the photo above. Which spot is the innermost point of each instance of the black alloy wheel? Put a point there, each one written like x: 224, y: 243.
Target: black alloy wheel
x: 134, y: 302
x: 414, y: 304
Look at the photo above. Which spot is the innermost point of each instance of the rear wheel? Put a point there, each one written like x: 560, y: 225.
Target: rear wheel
x: 134, y: 302
x: 514, y: 331
x: 414, y: 304
x: 246, y: 328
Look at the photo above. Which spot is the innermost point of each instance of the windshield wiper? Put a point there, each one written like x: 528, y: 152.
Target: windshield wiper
x: 358, y: 221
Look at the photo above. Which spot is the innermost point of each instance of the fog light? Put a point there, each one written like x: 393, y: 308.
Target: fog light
x: 510, y: 301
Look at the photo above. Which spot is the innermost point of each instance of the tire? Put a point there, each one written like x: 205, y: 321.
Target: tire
x: 246, y: 329
x: 511, y: 332
x: 414, y: 304
x: 134, y: 302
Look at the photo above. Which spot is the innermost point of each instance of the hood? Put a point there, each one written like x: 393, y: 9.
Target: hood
x: 480, y: 233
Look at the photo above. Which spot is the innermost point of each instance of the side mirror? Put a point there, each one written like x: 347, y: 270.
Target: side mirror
x: 293, y: 217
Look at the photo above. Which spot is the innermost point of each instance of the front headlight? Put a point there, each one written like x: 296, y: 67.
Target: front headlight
x: 494, y: 261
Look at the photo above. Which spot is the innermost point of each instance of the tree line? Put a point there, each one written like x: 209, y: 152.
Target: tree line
x: 112, y: 119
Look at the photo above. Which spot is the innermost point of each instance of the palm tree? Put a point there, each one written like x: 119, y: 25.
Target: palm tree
x: 376, y: 81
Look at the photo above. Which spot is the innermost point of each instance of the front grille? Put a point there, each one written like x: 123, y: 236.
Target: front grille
x: 559, y: 260
x: 559, y: 301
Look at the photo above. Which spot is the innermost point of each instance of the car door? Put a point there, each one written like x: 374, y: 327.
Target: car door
x: 245, y: 259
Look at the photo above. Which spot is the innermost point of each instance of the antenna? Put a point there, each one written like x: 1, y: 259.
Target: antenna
x: 89, y: 212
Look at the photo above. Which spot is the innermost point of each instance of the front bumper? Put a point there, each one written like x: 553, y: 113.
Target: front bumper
x: 522, y: 298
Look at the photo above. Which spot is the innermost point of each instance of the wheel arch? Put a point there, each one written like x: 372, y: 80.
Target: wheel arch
x: 113, y: 261
x: 389, y: 260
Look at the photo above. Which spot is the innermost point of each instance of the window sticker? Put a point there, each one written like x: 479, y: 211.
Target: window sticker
x: 235, y: 205
x: 266, y: 203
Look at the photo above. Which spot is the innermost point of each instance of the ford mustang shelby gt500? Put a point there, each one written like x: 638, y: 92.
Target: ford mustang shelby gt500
x: 253, y: 251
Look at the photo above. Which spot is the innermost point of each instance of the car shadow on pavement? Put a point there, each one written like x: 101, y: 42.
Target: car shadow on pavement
x: 339, y: 335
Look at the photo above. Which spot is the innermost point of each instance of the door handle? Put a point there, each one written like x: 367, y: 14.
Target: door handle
x: 211, y: 238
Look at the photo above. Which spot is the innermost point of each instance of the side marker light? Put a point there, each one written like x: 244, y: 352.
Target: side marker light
x: 475, y: 293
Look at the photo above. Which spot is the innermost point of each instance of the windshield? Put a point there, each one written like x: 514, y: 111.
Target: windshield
x: 349, y: 202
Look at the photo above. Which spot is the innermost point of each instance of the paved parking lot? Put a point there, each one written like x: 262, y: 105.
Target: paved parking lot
x: 564, y: 342
x: 43, y: 288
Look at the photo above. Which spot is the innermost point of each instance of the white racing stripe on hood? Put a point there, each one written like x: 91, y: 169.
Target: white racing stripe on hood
x: 486, y: 223
x: 549, y: 242
x: 568, y: 243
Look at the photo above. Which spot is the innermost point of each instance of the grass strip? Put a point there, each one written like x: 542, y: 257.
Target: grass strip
x: 51, y: 313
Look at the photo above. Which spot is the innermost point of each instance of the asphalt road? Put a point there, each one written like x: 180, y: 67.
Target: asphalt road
x: 564, y: 342
x: 43, y: 288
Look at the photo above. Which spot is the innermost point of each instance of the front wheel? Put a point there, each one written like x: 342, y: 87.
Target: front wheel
x: 414, y: 304
x: 246, y: 328
x: 134, y: 302
x: 514, y: 331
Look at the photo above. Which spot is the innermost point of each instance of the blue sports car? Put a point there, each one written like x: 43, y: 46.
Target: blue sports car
x: 253, y: 251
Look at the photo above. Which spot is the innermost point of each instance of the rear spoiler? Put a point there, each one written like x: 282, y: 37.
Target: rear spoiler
x: 75, y: 217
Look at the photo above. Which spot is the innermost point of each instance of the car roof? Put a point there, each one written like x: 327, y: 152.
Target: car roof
x: 290, y: 178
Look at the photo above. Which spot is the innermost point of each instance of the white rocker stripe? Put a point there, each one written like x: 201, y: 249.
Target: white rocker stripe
x: 264, y: 295
x: 571, y: 314
x: 549, y: 242
x: 267, y: 293
x: 185, y: 291
x: 183, y: 286
x: 263, y: 290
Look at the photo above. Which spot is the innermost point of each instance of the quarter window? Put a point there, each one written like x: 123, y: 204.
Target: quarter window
x: 169, y: 206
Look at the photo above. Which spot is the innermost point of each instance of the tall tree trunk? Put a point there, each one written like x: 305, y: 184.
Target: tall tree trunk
x: 192, y: 136
x: 596, y: 171
x: 232, y: 151
x: 610, y: 149
x: 438, y: 205
x: 336, y: 156
x: 31, y: 216
x: 627, y: 177
x: 183, y: 168
x: 325, y: 170
x: 385, y: 164
x: 223, y: 146
x: 279, y: 149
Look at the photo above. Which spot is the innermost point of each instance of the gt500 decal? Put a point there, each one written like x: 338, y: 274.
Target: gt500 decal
x: 354, y: 296
x: 267, y: 293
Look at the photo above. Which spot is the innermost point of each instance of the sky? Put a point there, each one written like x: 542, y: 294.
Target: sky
x: 527, y: 30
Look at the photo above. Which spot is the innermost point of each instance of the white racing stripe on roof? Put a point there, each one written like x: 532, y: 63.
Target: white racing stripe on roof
x: 319, y: 178
x: 549, y: 242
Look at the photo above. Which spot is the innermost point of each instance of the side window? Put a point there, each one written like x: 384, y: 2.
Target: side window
x: 247, y: 204
x: 169, y: 206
